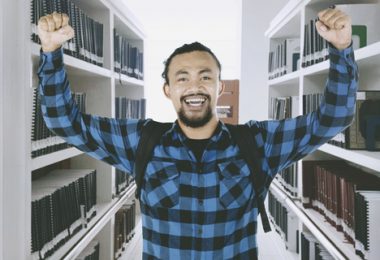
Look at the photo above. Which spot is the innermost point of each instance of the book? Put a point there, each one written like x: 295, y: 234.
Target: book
x: 87, y: 43
x: 43, y: 140
x: 63, y: 202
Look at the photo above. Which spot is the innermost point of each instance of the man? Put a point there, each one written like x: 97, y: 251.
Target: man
x: 196, y: 200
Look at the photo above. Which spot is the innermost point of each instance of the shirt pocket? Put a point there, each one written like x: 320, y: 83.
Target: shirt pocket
x: 235, y: 188
x: 161, y: 184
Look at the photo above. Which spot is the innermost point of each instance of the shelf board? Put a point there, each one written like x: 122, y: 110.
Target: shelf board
x: 72, y: 248
x: 338, y: 2
x: 336, y: 237
x: 76, y: 66
x: 367, y: 159
x: 318, y: 230
x: 127, y: 80
x: 287, y: 20
x: 315, y: 69
x: 287, y: 79
x: 45, y: 160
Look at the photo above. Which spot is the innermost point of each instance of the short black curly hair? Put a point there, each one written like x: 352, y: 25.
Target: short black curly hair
x: 186, y: 48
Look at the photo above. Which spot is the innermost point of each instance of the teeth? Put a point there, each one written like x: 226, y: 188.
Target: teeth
x: 195, y: 101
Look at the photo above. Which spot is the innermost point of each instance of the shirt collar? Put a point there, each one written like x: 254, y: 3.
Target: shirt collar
x: 221, y: 132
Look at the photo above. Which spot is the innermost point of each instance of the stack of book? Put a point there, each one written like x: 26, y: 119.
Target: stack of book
x: 127, y: 57
x: 43, y: 140
x: 63, y: 202
x: 329, y: 187
x: 126, y: 108
x: 87, y: 43
x: 125, y: 222
x: 91, y: 252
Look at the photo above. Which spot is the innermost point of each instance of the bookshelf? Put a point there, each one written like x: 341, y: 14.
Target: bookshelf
x: 101, y: 85
x: 289, y: 23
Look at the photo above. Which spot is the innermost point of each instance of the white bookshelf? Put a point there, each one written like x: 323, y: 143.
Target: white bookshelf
x: 101, y: 85
x: 289, y: 23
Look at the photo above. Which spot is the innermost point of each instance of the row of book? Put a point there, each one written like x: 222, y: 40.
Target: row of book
x: 285, y: 223
x: 287, y: 107
x: 125, y: 222
x: 63, y: 202
x: 367, y: 211
x: 122, y: 181
x: 315, y: 48
x: 87, y: 43
x: 330, y: 188
x: 91, y: 252
x: 43, y: 140
x: 129, y: 59
x: 126, y: 108
x: 288, y: 178
x: 362, y: 134
x: 358, y: 135
x: 284, y: 57
x: 311, y: 249
x: 283, y: 107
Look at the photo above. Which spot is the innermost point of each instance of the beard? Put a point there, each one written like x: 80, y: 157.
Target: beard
x: 195, y: 122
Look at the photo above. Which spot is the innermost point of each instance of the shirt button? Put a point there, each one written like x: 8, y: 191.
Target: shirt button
x: 200, y: 202
x: 199, y: 231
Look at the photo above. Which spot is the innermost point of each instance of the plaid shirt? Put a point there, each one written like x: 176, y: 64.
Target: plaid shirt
x: 190, y: 209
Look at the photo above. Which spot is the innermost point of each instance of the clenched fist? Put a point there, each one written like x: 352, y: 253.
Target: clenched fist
x: 54, y: 30
x: 335, y: 27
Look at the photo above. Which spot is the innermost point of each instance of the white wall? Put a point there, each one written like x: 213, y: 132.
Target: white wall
x: 171, y: 23
x: 256, y: 16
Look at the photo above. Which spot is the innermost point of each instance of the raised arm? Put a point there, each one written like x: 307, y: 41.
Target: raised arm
x: 286, y: 141
x: 110, y: 140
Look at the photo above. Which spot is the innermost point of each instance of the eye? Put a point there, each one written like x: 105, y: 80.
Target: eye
x: 182, y: 79
x: 206, y: 78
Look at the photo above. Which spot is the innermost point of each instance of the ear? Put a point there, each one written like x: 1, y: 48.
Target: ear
x: 222, y: 86
x: 166, y: 90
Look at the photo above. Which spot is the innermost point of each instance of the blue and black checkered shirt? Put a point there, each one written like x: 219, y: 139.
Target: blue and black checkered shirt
x: 191, y: 209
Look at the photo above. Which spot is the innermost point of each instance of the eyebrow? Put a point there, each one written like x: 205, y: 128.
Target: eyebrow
x: 207, y: 70
x: 181, y: 72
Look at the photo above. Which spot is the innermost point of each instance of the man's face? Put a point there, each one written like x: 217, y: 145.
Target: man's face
x: 194, y: 87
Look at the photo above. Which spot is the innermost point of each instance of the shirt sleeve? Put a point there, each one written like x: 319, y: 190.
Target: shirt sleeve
x: 113, y: 141
x: 282, y: 142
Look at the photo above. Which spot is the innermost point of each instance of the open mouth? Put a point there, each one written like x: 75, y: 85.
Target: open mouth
x: 195, y: 100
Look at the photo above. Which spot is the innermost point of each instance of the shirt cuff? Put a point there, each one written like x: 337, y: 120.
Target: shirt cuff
x: 50, y: 61
x: 344, y: 53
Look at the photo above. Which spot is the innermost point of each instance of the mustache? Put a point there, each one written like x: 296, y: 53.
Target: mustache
x: 195, y: 94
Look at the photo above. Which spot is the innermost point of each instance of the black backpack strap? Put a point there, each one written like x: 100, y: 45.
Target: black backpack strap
x: 248, y: 147
x: 151, y: 134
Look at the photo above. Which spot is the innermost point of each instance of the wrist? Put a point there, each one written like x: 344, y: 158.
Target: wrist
x: 341, y: 47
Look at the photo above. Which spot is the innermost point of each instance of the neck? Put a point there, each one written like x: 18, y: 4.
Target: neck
x: 203, y: 132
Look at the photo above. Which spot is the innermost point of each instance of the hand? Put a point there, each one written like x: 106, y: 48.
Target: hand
x: 54, y: 30
x: 335, y: 27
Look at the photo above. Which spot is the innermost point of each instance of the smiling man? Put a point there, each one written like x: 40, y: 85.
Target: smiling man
x: 197, y: 200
